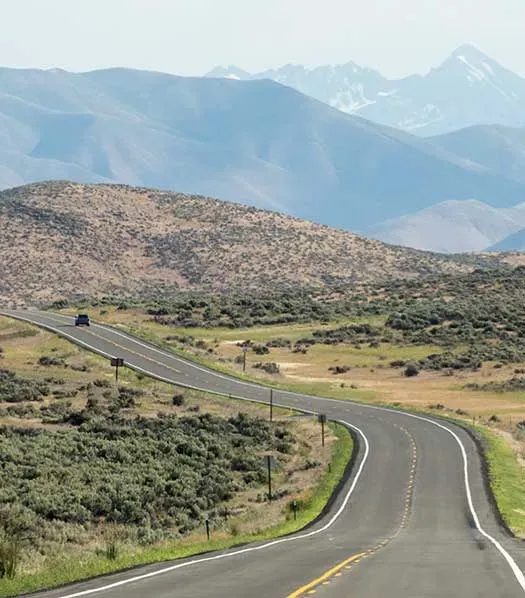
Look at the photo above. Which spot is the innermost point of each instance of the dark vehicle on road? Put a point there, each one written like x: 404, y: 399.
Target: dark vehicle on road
x: 82, y: 320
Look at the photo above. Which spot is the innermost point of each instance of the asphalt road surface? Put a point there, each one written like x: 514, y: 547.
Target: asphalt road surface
x: 413, y: 521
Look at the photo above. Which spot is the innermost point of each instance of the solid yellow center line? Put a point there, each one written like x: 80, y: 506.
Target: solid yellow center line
x: 330, y: 573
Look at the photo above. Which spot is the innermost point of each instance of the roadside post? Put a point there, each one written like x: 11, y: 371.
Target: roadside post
x: 271, y: 404
x: 207, y: 522
x: 269, y: 463
x: 322, y: 420
x: 117, y: 362
x: 245, y: 348
x: 294, y: 509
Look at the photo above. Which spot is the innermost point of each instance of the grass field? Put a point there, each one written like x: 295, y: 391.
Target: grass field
x: 507, y: 478
x: 23, y: 346
x: 59, y: 571
x: 371, y: 379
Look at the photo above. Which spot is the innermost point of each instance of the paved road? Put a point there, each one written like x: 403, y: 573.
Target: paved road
x: 413, y: 521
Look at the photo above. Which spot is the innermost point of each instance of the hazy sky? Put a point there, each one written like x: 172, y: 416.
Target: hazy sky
x: 191, y: 36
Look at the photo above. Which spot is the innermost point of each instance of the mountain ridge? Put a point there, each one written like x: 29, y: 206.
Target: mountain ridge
x: 498, y: 148
x: 254, y: 142
x: 467, y: 88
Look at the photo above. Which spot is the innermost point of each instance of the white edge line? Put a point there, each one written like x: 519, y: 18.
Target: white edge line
x: 520, y: 578
x: 165, y: 353
x: 293, y: 538
x: 244, y: 550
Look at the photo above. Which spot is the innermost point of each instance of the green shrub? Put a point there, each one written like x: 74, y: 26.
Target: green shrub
x: 268, y: 367
x: 260, y: 349
x: 397, y: 363
x: 101, y: 383
x: 17, y: 528
x: 50, y: 360
x: 162, y: 473
x: 411, y: 370
x: 339, y: 369
x: 178, y: 399
x: 9, y: 556
x: 15, y: 389
x: 279, y: 343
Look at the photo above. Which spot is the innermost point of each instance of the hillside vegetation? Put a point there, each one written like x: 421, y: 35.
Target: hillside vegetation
x: 67, y: 240
x: 453, y: 345
x: 461, y: 321
x: 145, y: 466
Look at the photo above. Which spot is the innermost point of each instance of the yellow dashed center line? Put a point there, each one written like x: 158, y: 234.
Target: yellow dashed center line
x: 308, y: 588
x: 151, y: 359
x: 348, y: 564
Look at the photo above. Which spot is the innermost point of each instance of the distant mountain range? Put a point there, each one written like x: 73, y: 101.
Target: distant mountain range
x: 264, y: 144
x: 468, y: 88
x: 499, y: 149
x: 459, y: 226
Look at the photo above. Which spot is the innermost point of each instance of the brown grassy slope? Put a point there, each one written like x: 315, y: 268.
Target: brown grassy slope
x: 64, y: 240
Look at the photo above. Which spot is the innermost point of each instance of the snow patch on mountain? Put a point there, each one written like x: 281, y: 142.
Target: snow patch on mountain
x: 468, y: 88
x: 477, y: 73
x: 352, y: 99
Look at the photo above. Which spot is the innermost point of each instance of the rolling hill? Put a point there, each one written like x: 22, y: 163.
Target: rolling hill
x: 512, y: 243
x: 256, y: 142
x: 68, y: 240
x: 452, y: 227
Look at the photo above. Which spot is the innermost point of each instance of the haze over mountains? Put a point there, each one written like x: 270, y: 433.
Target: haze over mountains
x: 459, y: 226
x: 259, y: 143
x: 497, y: 148
x: 512, y: 243
x: 453, y: 227
x: 468, y: 88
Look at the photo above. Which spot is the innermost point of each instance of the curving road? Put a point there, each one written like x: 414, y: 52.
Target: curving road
x: 413, y: 521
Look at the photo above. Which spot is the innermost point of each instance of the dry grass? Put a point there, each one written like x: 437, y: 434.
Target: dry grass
x: 370, y: 377
x: 94, y: 240
x: 369, y: 366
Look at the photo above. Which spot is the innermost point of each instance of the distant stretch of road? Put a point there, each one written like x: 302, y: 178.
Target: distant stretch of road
x: 413, y: 520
